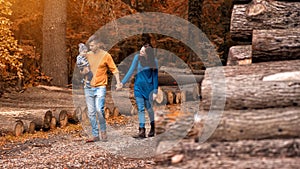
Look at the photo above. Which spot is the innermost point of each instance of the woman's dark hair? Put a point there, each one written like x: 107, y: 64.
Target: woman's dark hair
x: 150, y: 59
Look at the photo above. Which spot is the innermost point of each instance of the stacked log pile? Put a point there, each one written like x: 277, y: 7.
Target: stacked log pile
x: 178, y: 85
x: 262, y: 77
x: 18, y: 122
x: 264, y: 30
x: 29, y: 121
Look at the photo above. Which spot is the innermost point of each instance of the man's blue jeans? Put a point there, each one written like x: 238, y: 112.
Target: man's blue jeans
x: 141, y: 104
x: 95, y: 101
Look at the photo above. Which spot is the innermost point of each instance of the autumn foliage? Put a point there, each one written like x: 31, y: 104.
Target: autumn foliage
x: 21, y: 32
x: 10, y: 58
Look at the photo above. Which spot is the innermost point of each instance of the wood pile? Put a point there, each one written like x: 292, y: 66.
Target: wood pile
x: 30, y: 121
x: 178, y: 85
x: 19, y: 122
x: 262, y: 77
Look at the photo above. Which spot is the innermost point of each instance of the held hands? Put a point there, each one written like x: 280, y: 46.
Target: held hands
x: 119, y: 86
x: 154, y: 96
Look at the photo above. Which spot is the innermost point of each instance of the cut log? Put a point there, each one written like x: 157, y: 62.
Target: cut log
x: 61, y: 117
x: 166, y: 79
x: 175, y: 70
x: 190, y: 92
x: 107, y: 113
x: 196, y: 92
x: 257, y: 124
x: 32, y: 128
x: 11, y: 126
x: 240, y: 55
x: 170, y: 97
x: 72, y: 115
x: 41, y: 118
x: 133, y: 110
x: 116, y: 112
x: 161, y: 98
x: 180, y: 71
x: 276, y: 15
x: 47, y: 120
x: 178, y: 97
x: 275, y: 45
x: 53, y: 123
x: 29, y: 126
x: 245, y: 87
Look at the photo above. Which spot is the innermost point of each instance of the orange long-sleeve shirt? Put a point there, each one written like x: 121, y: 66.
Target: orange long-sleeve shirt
x: 100, y: 62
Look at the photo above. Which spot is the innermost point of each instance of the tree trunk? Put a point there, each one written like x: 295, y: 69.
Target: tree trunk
x: 273, y: 15
x: 246, y: 87
x: 277, y: 44
x: 258, y: 124
x: 194, y: 12
x: 240, y: 55
x: 54, y: 61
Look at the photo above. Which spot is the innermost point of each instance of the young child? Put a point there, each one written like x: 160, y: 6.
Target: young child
x: 83, y: 65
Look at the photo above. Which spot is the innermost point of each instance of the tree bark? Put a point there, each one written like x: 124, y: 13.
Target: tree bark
x: 174, y: 70
x: 165, y: 79
x: 47, y: 120
x: 54, y: 61
x: 61, y: 117
x: 116, y: 112
x: 11, y: 126
x: 107, y: 113
x: 246, y: 88
x: 40, y: 119
x: 276, y: 44
x: 258, y: 124
x: 240, y: 55
x: 274, y: 15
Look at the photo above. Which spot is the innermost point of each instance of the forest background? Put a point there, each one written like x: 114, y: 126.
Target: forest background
x: 26, y: 62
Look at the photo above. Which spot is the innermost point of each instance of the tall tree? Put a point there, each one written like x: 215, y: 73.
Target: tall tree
x: 54, y: 60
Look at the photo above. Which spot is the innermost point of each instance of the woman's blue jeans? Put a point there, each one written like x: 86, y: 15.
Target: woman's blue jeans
x: 141, y: 104
x: 95, y: 101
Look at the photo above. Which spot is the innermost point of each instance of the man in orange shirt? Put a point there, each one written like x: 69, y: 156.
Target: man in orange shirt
x: 100, y: 61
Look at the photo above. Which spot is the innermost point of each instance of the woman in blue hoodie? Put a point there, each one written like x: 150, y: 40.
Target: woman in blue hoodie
x: 145, y: 86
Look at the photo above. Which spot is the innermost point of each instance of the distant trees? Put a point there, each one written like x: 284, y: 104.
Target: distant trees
x: 10, y: 58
